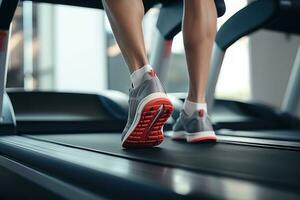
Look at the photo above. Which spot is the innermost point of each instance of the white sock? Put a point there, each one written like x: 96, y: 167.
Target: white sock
x: 137, y: 75
x: 190, y: 107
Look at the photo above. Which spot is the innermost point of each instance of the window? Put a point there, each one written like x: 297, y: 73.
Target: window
x: 56, y: 47
x: 68, y: 48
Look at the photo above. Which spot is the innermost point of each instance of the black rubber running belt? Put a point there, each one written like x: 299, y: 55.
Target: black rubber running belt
x: 273, y: 166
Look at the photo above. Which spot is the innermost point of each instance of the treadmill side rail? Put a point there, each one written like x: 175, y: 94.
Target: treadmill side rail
x: 214, y: 71
x: 160, y: 57
x: 7, y: 119
x: 291, y: 99
x: 254, y: 16
x: 8, y: 122
x: 7, y: 116
x: 4, y: 37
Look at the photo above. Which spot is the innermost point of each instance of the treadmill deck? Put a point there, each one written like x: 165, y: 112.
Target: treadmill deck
x: 276, y: 167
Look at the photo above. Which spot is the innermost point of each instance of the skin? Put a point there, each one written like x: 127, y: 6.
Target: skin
x: 199, y: 30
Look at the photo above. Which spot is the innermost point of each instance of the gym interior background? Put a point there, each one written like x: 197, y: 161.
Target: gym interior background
x: 66, y: 48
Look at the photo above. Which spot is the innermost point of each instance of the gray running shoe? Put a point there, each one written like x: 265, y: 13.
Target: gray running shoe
x: 149, y: 109
x: 194, y: 128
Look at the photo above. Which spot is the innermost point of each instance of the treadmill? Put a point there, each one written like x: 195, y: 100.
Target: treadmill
x: 83, y: 165
x: 263, y: 121
x: 274, y: 15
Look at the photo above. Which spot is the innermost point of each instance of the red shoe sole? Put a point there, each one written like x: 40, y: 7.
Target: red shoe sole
x: 148, y: 131
x: 204, y: 139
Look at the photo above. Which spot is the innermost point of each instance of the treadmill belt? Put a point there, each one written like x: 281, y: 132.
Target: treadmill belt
x: 273, y: 166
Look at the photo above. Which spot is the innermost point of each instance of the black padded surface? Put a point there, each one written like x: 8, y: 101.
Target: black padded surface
x: 26, y: 189
x: 271, y: 166
x: 56, y: 112
x: 237, y: 115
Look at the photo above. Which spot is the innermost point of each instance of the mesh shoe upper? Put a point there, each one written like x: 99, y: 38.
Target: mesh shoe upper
x: 150, y: 85
x: 197, y: 122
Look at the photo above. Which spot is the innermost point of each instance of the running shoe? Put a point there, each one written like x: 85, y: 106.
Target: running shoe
x: 149, y: 109
x: 194, y: 128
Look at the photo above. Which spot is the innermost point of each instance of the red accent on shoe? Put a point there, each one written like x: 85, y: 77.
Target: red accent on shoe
x: 201, y: 113
x: 152, y: 73
x: 2, y: 38
x: 205, y: 139
x: 142, y: 136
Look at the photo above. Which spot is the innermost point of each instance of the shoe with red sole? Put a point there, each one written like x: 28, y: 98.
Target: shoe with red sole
x: 194, y: 128
x: 149, y: 110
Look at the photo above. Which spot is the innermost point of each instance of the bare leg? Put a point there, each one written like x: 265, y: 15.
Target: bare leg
x: 126, y: 17
x: 199, y: 30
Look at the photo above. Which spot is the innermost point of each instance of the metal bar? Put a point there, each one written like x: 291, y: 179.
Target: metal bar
x: 28, y: 44
x: 256, y: 16
x: 4, y: 58
x: 45, y: 62
x: 215, y: 68
x: 292, y: 96
x: 160, y: 56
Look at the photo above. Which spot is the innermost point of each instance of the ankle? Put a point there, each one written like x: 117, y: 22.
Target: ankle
x: 190, y: 107
x: 137, y: 75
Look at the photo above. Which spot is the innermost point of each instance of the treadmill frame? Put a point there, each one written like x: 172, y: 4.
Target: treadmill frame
x: 7, y: 117
x: 168, y: 25
x: 291, y: 101
x: 134, y: 179
x: 4, y: 57
x: 266, y: 13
